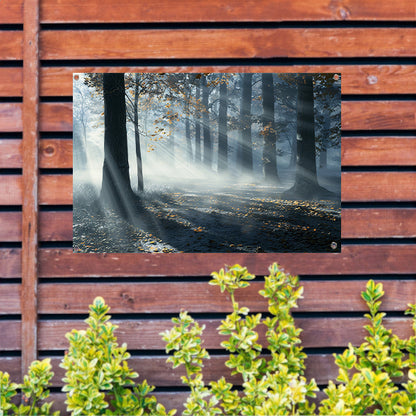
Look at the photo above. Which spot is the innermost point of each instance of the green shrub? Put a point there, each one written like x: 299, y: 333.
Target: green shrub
x: 98, y: 380
x: 276, y: 386
x: 34, y: 389
x: 367, y: 373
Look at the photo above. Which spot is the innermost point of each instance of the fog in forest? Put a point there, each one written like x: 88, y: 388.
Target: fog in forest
x: 207, y: 163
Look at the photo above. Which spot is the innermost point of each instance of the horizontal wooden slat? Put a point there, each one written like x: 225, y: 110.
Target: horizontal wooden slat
x: 361, y: 259
x: 378, y: 151
x: 11, y: 45
x: 99, y: 11
x: 378, y: 186
x: 354, y: 259
x: 202, y: 297
x: 226, y: 43
x: 144, y: 334
x: 53, y: 153
x: 11, y: 11
x: 355, y: 186
x: 10, y: 117
x: 355, y: 151
x: 10, y: 153
x: 10, y: 226
x: 378, y: 115
x: 11, y: 342
x: 11, y: 80
x: 10, y: 299
x: 221, y: 11
x: 356, y: 79
x: 378, y: 223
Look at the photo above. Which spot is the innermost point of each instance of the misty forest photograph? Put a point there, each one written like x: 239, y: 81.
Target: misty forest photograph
x: 206, y: 162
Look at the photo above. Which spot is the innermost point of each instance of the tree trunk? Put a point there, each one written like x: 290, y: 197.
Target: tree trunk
x: 188, y: 127
x: 306, y: 184
x: 205, y: 122
x: 116, y: 191
x: 245, y: 155
x: 197, y: 118
x: 269, y: 129
x: 140, y: 186
x: 222, y: 129
x: 306, y: 161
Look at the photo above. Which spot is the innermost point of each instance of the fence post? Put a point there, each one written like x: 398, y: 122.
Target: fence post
x: 30, y: 181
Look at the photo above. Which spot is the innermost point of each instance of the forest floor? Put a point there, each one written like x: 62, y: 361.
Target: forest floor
x: 247, y: 219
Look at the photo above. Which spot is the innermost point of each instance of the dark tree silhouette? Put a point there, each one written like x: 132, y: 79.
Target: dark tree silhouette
x: 139, y: 163
x: 222, y: 129
x: 205, y: 121
x: 197, y: 120
x: 306, y: 184
x: 269, y: 129
x: 245, y: 155
x: 116, y: 190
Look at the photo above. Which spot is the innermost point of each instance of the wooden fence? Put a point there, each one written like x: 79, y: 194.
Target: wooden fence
x: 45, y: 288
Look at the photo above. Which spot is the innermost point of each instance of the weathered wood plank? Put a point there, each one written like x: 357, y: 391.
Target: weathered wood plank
x: 11, y: 226
x: 11, y: 11
x: 52, y: 153
x: 378, y: 115
x: 10, y: 153
x: 356, y: 79
x: 105, y: 11
x: 11, y: 79
x: 378, y: 186
x: 11, y: 117
x: 199, y: 297
x: 14, y: 335
x: 94, y: 11
x: 10, y: 299
x: 30, y: 182
x: 144, y: 334
x: 10, y: 263
x: 11, y: 45
x: 229, y: 43
x: 378, y: 151
x: 353, y: 259
x: 378, y: 223
x: 55, y: 117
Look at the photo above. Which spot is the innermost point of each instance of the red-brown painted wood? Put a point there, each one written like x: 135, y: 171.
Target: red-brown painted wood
x: 378, y: 151
x: 226, y: 43
x: 201, y: 11
x: 199, y: 297
x: 378, y: 186
x: 222, y: 11
x: 361, y: 259
x: 145, y: 334
x: 11, y: 45
x: 10, y: 299
x: 356, y: 79
x: 30, y: 177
